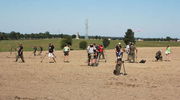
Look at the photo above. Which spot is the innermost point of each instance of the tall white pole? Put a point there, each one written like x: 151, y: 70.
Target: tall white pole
x: 86, y: 25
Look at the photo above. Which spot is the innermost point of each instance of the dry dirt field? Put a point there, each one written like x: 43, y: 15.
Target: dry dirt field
x: 76, y: 81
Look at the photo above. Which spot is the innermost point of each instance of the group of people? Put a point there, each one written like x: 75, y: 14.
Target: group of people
x: 159, y: 56
x: 130, y: 50
x: 50, y: 53
x: 95, y: 53
x: 35, y: 49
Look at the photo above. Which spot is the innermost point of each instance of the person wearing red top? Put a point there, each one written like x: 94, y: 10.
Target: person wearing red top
x: 101, y: 51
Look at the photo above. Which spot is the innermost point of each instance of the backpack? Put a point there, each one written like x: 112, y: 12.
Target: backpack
x: 142, y: 61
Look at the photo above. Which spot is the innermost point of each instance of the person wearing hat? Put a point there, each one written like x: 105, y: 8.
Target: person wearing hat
x: 118, y: 49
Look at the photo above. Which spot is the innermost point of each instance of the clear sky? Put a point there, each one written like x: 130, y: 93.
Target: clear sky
x: 147, y: 18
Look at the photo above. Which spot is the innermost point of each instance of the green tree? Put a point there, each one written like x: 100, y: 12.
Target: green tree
x: 74, y: 36
x: 83, y: 45
x: 168, y: 38
x: 106, y: 42
x: 129, y: 37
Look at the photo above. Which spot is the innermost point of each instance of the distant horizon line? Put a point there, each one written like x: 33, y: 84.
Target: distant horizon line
x: 88, y: 35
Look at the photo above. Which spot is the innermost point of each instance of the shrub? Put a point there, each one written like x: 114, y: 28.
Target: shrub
x: 83, y: 45
x: 106, y: 42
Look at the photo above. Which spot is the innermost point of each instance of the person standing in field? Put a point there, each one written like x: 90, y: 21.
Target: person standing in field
x: 40, y: 50
x: 132, y: 53
x: 128, y: 50
x: 11, y: 50
x: 66, y: 51
x: 168, y: 53
x: 101, y: 51
x: 20, y: 53
x: 34, y: 50
x: 96, y: 53
x: 51, y: 52
x: 118, y: 49
x: 90, y: 51
x: 119, y: 59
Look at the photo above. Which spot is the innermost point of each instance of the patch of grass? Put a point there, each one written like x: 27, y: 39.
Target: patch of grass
x: 157, y: 43
x: 5, y: 45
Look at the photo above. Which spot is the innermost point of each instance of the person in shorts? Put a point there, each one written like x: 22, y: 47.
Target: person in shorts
x: 66, y: 51
x: 51, y: 52
x: 168, y: 53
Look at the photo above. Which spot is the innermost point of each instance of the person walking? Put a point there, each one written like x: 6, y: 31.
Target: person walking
x: 34, y: 50
x: 20, y: 53
x: 40, y: 50
x: 168, y: 53
x: 51, y: 52
x: 66, y: 51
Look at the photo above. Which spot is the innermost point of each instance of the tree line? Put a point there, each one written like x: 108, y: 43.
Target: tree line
x: 44, y: 35
x: 129, y: 35
x: 17, y: 35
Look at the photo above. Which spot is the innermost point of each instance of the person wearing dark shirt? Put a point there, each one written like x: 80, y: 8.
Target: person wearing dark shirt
x: 158, y: 55
x: 34, y: 50
x: 40, y: 50
x: 20, y: 53
x: 51, y: 52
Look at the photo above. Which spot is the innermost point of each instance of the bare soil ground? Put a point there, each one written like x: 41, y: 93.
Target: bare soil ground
x: 33, y: 80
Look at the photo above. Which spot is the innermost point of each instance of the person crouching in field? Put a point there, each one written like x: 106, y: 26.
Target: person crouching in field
x: 20, y: 53
x: 51, y: 52
x: 66, y: 51
x: 159, y: 56
x: 168, y: 53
